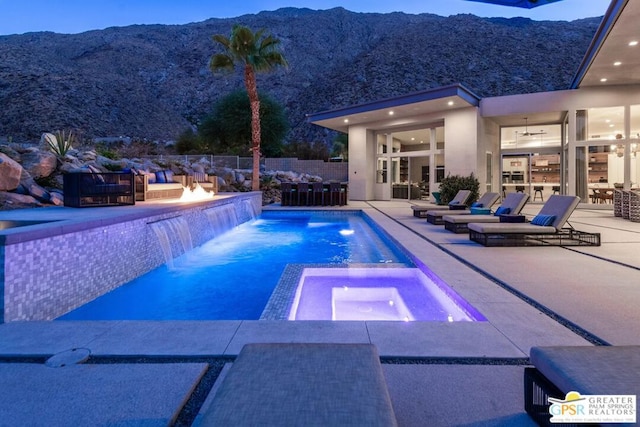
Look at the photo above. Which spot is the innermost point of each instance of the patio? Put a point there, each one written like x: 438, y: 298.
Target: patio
x: 437, y: 374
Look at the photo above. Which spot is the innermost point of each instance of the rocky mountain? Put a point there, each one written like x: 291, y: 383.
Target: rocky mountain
x: 153, y: 81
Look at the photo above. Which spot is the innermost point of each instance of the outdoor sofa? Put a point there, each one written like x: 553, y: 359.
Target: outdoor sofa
x: 545, y: 229
x: 511, y: 205
x: 458, y: 202
x: 166, y: 185
x: 483, y: 204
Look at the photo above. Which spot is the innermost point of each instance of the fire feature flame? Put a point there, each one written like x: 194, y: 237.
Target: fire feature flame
x: 196, y: 194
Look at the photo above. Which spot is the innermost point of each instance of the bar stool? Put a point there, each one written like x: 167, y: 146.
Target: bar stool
x: 286, y: 193
x: 519, y: 188
x: 317, y: 191
x: 303, y: 193
x: 335, y: 193
x: 556, y: 189
x: 537, y: 190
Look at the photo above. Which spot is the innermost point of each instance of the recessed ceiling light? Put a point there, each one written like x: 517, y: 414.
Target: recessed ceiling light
x: 608, y: 121
x: 346, y: 120
x: 391, y: 113
x: 450, y: 103
x: 617, y: 63
x: 603, y: 80
x: 633, y: 43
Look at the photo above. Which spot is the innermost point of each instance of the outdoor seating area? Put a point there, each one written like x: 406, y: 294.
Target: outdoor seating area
x: 166, y: 185
x: 482, y: 206
x: 590, y: 370
x: 330, y: 193
x: 458, y: 202
x: 511, y: 205
x: 545, y: 229
x: 98, y: 189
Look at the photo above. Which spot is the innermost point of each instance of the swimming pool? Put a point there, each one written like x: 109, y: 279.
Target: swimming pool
x: 233, y: 276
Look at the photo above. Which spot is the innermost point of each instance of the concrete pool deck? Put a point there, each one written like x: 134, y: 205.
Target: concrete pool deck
x: 437, y: 373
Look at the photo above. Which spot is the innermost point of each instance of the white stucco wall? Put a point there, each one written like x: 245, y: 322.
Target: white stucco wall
x: 362, y: 163
x: 461, y: 142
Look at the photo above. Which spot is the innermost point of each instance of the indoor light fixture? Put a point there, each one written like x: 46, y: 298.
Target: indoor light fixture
x: 617, y: 149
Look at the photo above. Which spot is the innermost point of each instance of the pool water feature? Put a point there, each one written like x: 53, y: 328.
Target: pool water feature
x: 232, y: 276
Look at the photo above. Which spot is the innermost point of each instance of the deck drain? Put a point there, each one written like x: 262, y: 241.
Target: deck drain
x: 68, y: 357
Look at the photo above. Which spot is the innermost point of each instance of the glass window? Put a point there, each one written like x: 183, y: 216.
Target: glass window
x: 530, y: 136
x: 635, y: 121
x: 600, y: 123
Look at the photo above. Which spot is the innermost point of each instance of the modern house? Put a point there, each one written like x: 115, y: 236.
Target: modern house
x: 579, y: 141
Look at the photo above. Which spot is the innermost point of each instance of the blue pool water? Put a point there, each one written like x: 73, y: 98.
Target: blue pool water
x: 233, y: 276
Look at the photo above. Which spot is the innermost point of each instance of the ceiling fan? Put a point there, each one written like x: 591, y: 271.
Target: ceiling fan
x: 526, y: 130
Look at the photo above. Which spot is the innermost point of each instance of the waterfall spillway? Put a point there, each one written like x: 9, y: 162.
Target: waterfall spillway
x: 174, y: 237
x: 250, y: 207
x: 222, y: 218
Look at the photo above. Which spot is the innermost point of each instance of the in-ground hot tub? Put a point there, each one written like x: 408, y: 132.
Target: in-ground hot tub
x: 401, y: 294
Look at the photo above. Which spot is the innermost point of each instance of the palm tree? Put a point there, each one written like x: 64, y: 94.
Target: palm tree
x: 255, y: 53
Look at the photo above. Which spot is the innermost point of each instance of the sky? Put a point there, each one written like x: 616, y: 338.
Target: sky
x: 76, y: 16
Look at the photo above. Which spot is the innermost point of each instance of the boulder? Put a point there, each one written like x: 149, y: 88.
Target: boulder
x: 39, y: 164
x: 39, y: 193
x: 10, y: 201
x: 28, y: 186
x: 13, y: 154
x: 88, y: 156
x: 57, y: 198
x: 10, y: 172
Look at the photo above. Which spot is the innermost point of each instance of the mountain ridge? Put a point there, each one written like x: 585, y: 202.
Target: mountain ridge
x: 153, y: 81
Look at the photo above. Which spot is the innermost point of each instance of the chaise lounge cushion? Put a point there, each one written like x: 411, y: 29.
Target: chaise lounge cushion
x: 510, y: 227
x: 302, y: 385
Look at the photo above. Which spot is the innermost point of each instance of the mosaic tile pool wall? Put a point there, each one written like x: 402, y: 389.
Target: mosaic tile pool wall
x: 43, y: 279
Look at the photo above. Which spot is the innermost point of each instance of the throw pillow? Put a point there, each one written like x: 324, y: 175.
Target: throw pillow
x: 168, y: 176
x: 454, y: 202
x: 544, y: 220
x: 502, y: 211
x: 160, y: 179
x: 477, y: 205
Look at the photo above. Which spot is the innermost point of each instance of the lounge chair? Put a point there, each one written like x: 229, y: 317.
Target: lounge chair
x: 543, y: 230
x: 459, y: 200
x: 485, y: 202
x: 588, y: 370
x: 512, y: 204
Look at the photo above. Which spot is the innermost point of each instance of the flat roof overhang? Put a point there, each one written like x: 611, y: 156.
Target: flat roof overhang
x: 413, y: 104
x: 610, y: 59
x: 527, y: 4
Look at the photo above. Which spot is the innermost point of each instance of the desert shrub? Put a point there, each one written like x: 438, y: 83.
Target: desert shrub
x: 451, y: 184
x: 58, y: 143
